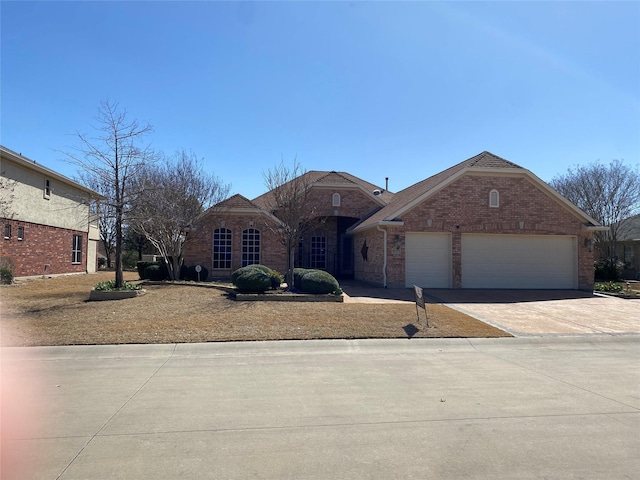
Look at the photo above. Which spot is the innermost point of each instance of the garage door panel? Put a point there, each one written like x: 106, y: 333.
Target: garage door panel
x: 428, y: 260
x: 519, y: 261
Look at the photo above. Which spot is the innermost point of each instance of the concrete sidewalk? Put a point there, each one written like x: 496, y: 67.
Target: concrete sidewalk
x: 512, y: 408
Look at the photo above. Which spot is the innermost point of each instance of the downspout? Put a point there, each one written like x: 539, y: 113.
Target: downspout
x: 384, y: 261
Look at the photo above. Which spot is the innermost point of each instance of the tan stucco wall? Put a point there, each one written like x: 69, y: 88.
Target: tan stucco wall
x: 66, y: 207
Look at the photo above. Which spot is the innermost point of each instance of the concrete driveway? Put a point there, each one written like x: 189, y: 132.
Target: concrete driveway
x: 521, y: 312
x: 545, y: 312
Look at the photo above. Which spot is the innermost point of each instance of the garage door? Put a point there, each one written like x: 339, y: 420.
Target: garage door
x: 428, y: 260
x: 519, y: 261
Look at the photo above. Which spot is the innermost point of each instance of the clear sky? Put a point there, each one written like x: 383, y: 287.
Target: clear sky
x: 378, y: 89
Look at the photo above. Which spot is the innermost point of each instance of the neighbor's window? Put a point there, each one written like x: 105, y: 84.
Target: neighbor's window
x: 20, y: 233
x: 7, y: 231
x: 494, y: 199
x: 47, y: 188
x: 76, y: 251
x: 250, y: 246
x: 628, y: 256
x: 319, y: 252
x: 336, y: 199
x: 222, y: 248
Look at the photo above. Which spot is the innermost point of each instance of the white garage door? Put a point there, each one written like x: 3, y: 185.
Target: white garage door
x: 428, y: 260
x: 519, y: 261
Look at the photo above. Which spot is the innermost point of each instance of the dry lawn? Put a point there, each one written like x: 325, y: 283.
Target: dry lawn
x: 55, y: 311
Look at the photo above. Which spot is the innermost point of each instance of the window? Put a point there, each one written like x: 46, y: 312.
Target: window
x: 7, y: 231
x: 20, y: 233
x: 250, y: 247
x: 336, y: 199
x: 319, y: 252
x: 76, y: 252
x: 47, y: 188
x: 222, y: 248
x: 628, y: 256
x: 494, y: 199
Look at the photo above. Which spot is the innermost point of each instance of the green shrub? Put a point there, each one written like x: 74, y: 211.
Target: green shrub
x: 111, y: 285
x: 189, y: 274
x: 6, y: 275
x: 156, y: 272
x: 318, y: 282
x: 129, y: 259
x: 608, y: 287
x: 276, y: 278
x: 252, y: 280
x: 141, y: 267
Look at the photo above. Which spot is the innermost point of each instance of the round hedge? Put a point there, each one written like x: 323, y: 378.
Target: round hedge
x: 252, y: 280
x: 316, y: 281
x: 275, y: 277
x: 156, y: 273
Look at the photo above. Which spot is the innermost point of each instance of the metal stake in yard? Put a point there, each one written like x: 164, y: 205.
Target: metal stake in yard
x: 420, y: 303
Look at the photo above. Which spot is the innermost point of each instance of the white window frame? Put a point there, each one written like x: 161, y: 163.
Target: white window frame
x: 223, y: 243
x: 335, y: 200
x: 20, y: 233
x: 47, y: 189
x: 494, y: 198
x: 250, y: 246
x: 7, y: 231
x: 76, y: 250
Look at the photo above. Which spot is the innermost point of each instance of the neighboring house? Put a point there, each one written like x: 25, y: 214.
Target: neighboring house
x: 628, y: 247
x: 483, y: 223
x: 47, y: 221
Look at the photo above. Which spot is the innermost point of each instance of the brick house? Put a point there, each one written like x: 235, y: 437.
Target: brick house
x: 483, y: 223
x: 46, y: 220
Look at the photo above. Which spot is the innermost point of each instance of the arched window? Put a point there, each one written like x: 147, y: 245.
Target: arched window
x: 250, y: 246
x: 336, y: 199
x: 494, y: 199
x: 222, y: 248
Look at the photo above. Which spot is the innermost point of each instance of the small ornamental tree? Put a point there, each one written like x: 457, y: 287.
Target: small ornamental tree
x: 170, y: 196
x: 290, y: 202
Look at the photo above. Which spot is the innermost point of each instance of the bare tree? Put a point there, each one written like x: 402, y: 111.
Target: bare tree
x: 113, y: 159
x: 7, y: 187
x: 289, y: 200
x: 608, y: 193
x: 106, y: 213
x: 172, y: 194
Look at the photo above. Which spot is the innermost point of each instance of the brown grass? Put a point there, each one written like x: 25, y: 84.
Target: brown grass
x: 55, y: 311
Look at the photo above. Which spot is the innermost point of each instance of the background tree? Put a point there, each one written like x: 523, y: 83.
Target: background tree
x: 609, y: 194
x: 135, y: 241
x: 7, y: 187
x: 290, y: 201
x: 171, y: 195
x: 113, y: 158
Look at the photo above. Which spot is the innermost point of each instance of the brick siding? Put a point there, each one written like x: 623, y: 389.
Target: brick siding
x: 44, y: 250
x: 463, y: 207
x: 199, y: 245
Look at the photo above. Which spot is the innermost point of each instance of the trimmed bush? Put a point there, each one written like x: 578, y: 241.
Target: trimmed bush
x: 141, y: 267
x: 189, y: 274
x: 156, y: 272
x: 253, y: 280
x: 6, y: 276
x: 276, y: 277
x: 318, y: 282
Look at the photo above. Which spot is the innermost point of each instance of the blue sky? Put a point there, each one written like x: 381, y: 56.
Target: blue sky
x: 378, y: 89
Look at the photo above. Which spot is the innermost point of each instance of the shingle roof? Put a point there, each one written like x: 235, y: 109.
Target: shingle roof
x: 237, y: 201
x: 338, y: 179
x: 630, y: 230
x: 400, y: 200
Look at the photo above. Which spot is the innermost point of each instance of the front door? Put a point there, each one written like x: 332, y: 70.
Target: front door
x: 345, y: 256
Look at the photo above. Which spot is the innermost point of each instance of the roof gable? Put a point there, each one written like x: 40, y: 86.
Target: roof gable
x: 331, y: 179
x: 483, y: 163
